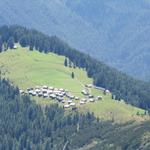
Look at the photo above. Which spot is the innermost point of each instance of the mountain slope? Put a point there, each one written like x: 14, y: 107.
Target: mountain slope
x: 36, y: 68
x: 25, y: 125
x: 113, y: 31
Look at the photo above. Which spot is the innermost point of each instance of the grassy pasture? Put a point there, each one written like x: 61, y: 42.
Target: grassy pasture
x: 30, y: 68
x: 27, y: 69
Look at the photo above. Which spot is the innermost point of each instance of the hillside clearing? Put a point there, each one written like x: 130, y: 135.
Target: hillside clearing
x: 30, y: 68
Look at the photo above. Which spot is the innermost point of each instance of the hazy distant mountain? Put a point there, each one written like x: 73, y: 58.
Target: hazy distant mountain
x: 115, y: 31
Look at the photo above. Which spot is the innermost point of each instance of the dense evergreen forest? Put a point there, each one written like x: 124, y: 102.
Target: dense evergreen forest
x: 122, y: 86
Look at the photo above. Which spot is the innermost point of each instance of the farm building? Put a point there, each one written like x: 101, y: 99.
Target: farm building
x: 91, y: 100
x: 88, y: 85
x: 45, y: 95
x: 15, y: 47
x: 66, y: 106
x: 77, y: 98
x: 82, y: 103
x: 91, y: 96
x: 84, y: 92
x: 99, y: 97
x: 70, y: 101
x: 72, y: 104
x: 45, y: 87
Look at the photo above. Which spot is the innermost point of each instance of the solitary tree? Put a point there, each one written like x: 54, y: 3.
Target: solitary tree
x: 104, y: 92
x: 1, y: 44
x: 66, y: 62
x: 10, y: 43
x: 24, y: 41
x: 72, y: 75
x: 5, y: 46
x: 31, y: 47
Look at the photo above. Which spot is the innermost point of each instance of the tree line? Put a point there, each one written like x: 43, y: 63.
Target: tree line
x: 133, y: 91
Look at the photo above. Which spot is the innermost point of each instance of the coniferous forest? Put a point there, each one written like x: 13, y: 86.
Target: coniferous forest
x: 122, y: 86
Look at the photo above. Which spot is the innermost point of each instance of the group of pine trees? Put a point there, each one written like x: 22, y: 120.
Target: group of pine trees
x: 8, y: 44
x: 70, y: 65
x: 122, y: 86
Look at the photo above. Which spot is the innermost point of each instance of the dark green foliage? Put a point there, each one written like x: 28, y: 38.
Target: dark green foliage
x: 124, y: 87
x: 74, y: 66
x: 66, y: 62
x: 1, y: 44
x: 5, y: 46
x: 72, y: 75
x: 23, y: 41
x: 10, y: 43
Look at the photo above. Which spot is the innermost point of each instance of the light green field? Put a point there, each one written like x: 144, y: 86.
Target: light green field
x: 27, y: 69
x: 31, y: 68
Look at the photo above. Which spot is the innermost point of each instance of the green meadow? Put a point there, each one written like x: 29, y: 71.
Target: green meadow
x: 26, y: 69
x: 31, y: 68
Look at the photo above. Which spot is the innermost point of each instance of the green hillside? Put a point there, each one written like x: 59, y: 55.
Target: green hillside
x: 31, y: 68
x: 116, y: 32
x: 27, y: 69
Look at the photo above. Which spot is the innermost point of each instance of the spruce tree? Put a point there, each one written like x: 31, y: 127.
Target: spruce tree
x: 10, y: 43
x: 1, y: 44
x: 5, y: 46
x: 72, y: 75
x: 66, y: 62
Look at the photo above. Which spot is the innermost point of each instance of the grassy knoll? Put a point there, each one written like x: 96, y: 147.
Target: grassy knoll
x: 30, y: 68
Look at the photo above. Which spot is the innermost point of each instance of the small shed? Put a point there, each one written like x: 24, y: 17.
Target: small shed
x: 99, y: 97
x: 45, y: 87
x: 91, y: 96
x: 72, y: 104
x: 51, y: 88
x: 33, y: 93
x: 91, y: 100
x: 45, y: 95
x: 76, y: 98
x: 66, y: 106
x: 53, y: 96
x: 40, y: 94
x: 15, y: 47
x: 70, y: 101
x: 82, y: 103
x: 84, y: 92
x: 21, y: 91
